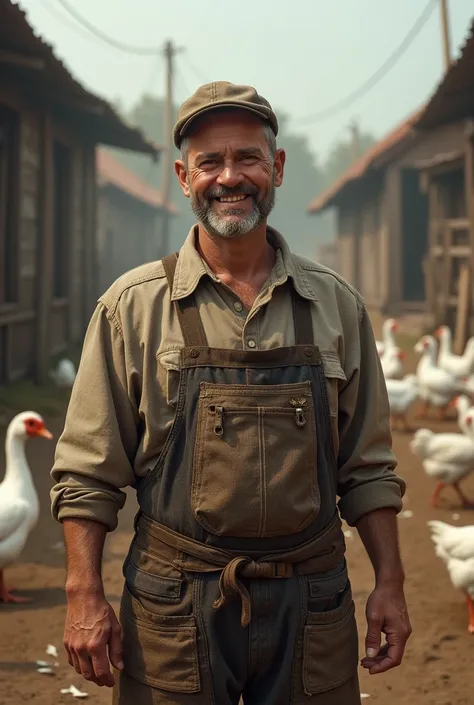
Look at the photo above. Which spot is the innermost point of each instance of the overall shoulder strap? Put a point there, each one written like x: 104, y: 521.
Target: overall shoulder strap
x: 187, y: 310
x: 302, y: 318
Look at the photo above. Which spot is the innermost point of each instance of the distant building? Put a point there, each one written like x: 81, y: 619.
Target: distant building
x: 448, y: 180
x: 382, y: 216
x: 129, y: 219
x: 49, y: 128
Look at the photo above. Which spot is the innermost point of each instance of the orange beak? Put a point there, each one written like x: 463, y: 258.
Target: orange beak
x: 45, y: 433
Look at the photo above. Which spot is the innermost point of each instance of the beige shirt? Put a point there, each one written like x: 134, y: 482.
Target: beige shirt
x: 124, y: 397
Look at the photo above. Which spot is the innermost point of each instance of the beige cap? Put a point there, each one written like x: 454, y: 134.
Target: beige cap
x: 222, y: 94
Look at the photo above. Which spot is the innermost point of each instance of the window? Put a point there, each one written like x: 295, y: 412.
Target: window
x: 62, y: 219
x: 9, y: 169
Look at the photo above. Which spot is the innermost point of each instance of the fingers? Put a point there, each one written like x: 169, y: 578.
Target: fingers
x: 90, y: 661
x: 115, y: 645
x: 374, y: 634
x: 391, y: 654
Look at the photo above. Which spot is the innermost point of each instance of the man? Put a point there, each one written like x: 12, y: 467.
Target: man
x: 238, y: 389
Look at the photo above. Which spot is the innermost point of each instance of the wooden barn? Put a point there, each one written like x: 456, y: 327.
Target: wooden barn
x: 448, y: 181
x: 49, y: 129
x: 382, y: 216
x: 128, y: 219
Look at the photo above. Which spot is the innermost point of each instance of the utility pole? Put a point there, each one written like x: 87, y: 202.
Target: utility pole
x: 169, y: 51
x: 445, y: 34
x: 355, y: 143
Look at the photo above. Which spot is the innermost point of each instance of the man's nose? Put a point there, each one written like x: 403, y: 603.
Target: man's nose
x: 230, y: 176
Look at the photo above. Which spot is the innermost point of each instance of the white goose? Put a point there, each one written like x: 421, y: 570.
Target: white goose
x: 448, y: 457
x: 64, y: 374
x: 463, y: 406
x: 437, y: 387
x: 19, y: 504
x: 401, y: 394
x: 389, y: 328
x: 392, y: 363
x: 455, y: 546
x: 457, y: 365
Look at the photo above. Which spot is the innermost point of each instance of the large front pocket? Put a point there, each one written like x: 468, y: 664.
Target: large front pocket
x: 255, y: 469
x: 159, y: 651
x: 330, y: 647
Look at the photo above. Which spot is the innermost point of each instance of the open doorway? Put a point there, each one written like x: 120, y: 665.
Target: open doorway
x: 414, y: 236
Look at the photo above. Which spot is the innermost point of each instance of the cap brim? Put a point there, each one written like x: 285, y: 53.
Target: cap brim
x: 238, y: 106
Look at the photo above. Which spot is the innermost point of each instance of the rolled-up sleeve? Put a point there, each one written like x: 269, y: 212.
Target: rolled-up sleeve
x: 366, y: 463
x: 94, y: 455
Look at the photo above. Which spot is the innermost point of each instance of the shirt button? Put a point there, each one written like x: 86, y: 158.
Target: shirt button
x: 238, y: 306
x: 251, y: 343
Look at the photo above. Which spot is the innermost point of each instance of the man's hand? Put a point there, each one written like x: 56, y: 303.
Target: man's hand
x: 386, y: 613
x: 92, y: 638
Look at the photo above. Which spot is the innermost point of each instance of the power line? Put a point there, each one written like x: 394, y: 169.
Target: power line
x: 377, y: 76
x: 130, y: 48
x: 65, y: 20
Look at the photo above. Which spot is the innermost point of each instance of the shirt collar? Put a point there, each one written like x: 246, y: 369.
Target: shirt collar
x: 191, y: 267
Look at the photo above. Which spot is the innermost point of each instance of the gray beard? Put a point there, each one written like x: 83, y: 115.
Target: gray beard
x: 218, y: 226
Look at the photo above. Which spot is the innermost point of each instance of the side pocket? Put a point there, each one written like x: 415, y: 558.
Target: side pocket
x: 159, y: 651
x: 330, y: 648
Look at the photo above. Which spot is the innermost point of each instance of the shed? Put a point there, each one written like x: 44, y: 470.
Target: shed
x: 49, y: 128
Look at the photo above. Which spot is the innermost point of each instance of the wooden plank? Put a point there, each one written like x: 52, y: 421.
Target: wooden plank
x: 45, y: 251
x: 454, y: 251
x: 463, y: 309
x: 457, y: 223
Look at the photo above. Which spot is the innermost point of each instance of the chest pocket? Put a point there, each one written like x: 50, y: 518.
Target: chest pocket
x: 334, y: 375
x: 168, y: 375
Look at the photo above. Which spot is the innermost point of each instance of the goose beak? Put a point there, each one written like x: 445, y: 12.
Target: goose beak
x: 45, y: 433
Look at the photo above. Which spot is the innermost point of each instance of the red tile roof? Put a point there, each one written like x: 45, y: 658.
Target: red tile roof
x: 111, y: 171
x: 377, y: 155
x: 37, y: 70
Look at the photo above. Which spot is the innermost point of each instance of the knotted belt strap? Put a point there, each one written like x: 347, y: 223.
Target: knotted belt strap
x: 318, y: 555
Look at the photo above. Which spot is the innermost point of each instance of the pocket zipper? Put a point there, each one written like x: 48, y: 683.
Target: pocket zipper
x: 297, y: 404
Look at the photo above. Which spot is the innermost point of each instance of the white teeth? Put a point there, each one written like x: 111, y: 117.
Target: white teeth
x: 232, y: 199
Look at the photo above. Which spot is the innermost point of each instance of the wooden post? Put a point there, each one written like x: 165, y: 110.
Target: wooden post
x: 90, y: 265
x: 469, y: 193
x: 445, y: 34
x: 45, y: 250
x: 463, y: 309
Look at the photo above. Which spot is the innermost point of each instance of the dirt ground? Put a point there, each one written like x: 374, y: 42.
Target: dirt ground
x: 438, y: 659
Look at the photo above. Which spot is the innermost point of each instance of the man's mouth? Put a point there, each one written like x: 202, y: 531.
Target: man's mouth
x: 231, y: 199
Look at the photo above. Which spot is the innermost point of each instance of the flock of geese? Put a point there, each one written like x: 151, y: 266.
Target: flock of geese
x: 443, y: 380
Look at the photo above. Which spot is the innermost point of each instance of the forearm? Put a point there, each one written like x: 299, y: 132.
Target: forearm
x: 378, y: 531
x: 84, y: 541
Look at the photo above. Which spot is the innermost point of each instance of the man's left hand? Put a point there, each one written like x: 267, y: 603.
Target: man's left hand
x: 386, y: 613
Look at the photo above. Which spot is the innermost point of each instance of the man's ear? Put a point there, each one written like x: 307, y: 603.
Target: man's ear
x: 181, y: 173
x: 279, y: 166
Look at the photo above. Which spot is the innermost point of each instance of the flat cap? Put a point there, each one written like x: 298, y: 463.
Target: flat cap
x: 222, y: 94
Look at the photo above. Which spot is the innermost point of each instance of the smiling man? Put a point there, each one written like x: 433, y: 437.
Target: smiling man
x: 238, y: 388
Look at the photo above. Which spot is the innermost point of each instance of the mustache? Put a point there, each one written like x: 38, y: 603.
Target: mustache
x: 223, y: 192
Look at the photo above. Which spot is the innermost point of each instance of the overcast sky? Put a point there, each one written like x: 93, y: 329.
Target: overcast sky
x: 303, y: 55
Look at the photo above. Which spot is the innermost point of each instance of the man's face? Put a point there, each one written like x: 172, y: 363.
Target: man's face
x: 230, y: 174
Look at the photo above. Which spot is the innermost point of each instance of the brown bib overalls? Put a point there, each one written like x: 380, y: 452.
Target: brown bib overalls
x: 236, y: 582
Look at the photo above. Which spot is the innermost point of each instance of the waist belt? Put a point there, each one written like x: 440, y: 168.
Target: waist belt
x: 318, y: 555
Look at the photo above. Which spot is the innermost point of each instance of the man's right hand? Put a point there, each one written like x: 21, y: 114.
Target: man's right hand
x: 92, y: 638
